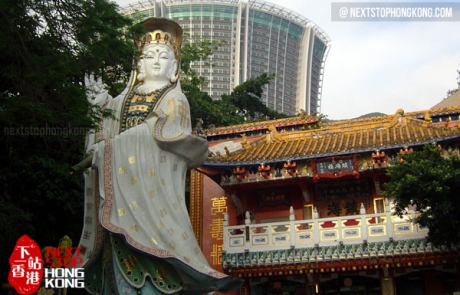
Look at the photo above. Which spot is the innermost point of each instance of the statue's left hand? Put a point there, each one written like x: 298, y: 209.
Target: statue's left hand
x: 193, y: 148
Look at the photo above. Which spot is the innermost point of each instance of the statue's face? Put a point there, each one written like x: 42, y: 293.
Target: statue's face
x: 158, y: 62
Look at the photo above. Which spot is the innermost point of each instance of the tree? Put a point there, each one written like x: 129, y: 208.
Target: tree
x: 47, y: 46
x: 247, y: 98
x: 431, y: 182
x: 202, y: 106
x: 242, y: 105
x: 212, y: 112
x: 194, y: 51
x: 452, y: 91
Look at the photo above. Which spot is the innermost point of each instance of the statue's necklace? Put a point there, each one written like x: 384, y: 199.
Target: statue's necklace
x: 138, y: 106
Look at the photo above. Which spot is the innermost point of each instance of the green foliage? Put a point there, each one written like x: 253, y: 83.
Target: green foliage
x: 210, y: 111
x: 47, y: 46
x: 246, y: 97
x: 238, y: 107
x: 202, y: 105
x: 241, y: 106
x: 194, y: 51
x: 432, y: 183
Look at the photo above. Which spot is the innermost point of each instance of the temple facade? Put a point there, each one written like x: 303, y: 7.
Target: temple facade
x: 295, y: 206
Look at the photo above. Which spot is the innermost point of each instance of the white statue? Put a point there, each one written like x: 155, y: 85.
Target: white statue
x: 137, y: 235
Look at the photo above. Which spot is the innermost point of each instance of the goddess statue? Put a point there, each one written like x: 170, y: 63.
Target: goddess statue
x: 137, y: 236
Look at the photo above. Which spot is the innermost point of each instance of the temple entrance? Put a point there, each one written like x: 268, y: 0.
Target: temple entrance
x: 351, y: 285
x: 427, y: 282
x: 360, y: 290
x: 280, y: 287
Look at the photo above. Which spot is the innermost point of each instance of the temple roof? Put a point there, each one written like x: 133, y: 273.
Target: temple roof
x: 451, y: 101
x: 340, y: 138
x: 304, y: 119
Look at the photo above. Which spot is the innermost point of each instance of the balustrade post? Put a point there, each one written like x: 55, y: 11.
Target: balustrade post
x: 339, y: 227
x: 247, y: 221
x: 292, y: 228
x: 389, y: 225
x: 316, y: 231
x: 412, y: 216
x: 225, y: 233
x: 364, y: 226
x: 225, y: 242
x: 315, y: 214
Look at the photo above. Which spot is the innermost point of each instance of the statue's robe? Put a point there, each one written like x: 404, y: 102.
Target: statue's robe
x: 137, y: 233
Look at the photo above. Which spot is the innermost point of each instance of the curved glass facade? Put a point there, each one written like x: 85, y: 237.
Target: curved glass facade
x: 257, y: 37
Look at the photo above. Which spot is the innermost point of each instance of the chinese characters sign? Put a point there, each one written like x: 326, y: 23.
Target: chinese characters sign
x: 343, y: 189
x: 218, y: 209
x: 334, y: 167
x: 273, y: 197
x: 343, y: 198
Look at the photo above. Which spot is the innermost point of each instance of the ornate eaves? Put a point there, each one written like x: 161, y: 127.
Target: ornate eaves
x: 341, y: 138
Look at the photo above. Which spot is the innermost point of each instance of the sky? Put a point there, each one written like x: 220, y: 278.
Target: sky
x: 381, y: 66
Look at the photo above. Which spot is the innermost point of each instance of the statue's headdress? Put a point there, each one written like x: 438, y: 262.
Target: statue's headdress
x: 161, y: 31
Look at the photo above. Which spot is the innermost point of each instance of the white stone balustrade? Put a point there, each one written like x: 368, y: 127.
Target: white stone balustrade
x: 322, y: 232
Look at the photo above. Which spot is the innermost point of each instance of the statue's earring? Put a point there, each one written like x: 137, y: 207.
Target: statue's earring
x: 172, y: 76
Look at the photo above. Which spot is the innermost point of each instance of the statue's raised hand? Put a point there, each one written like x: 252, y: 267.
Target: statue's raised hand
x: 95, y: 90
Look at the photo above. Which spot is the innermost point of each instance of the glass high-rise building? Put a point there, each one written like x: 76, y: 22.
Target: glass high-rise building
x: 257, y: 37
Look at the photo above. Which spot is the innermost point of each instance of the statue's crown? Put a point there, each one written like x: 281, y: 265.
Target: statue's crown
x: 160, y: 37
x: 161, y: 31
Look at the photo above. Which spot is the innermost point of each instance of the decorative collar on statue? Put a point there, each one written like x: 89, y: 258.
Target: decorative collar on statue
x: 139, y: 105
x: 144, y: 90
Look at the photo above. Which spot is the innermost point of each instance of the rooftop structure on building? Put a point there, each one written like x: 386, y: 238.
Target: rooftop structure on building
x: 258, y: 37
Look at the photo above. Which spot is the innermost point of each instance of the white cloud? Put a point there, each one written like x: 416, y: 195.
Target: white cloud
x: 402, y: 65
